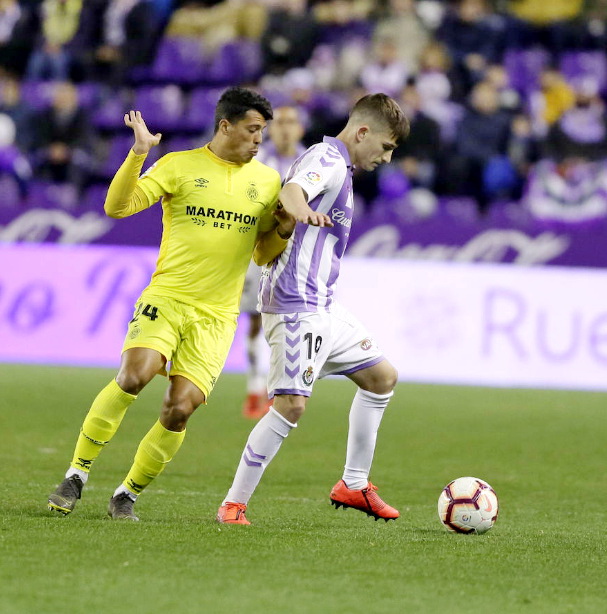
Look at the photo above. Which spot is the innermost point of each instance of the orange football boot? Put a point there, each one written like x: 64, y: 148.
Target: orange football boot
x: 366, y: 500
x: 232, y: 513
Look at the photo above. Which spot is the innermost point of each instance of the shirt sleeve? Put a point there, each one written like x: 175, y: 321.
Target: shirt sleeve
x: 316, y: 172
x: 128, y: 193
x: 267, y: 220
x: 269, y: 244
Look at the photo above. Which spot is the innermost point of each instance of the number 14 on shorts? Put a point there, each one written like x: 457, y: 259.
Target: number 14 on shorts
x: 145, y: 310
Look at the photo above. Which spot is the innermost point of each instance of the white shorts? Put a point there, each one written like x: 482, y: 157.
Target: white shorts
x: 248, y: 300
x: 306, y: 346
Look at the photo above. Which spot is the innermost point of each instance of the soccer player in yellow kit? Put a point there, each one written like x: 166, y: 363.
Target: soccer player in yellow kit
x: 219, y: 207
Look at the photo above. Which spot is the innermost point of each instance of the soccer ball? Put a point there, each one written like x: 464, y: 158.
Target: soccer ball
x: 468, y: 505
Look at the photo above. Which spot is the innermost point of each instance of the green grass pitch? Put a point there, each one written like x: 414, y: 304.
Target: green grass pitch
x: 542, y: 451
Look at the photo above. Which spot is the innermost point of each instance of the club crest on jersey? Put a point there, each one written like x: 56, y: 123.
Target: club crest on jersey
x: 312, y: 177
x: 135, y: 332
x: 252, y: 192
x: 201, y: 182
x: 308, y: 376
x: 366, y: 344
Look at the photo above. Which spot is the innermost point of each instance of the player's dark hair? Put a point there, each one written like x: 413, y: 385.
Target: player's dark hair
x: 385, y: 110
x: 236, y: 101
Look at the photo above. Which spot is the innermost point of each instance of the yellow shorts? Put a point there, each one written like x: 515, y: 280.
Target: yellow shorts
x: 196, y: 342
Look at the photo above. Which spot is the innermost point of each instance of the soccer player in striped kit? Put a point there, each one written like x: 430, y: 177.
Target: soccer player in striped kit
x: 309, y: 335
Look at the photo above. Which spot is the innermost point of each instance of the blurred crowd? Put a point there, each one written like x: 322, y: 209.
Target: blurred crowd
x: 506, y: 97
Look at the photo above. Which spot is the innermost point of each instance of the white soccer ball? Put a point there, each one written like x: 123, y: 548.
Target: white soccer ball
x: 468, y: 505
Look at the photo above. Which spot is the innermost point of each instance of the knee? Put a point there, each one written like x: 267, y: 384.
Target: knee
x: 131, y: 381
x: 384, y: 382
x: 290, y: 407
x: 176, y: 413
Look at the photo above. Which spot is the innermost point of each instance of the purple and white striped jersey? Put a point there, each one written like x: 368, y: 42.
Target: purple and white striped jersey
x: 303, y: 277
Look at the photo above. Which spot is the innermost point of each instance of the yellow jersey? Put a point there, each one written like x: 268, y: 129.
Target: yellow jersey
x: 213, y: 211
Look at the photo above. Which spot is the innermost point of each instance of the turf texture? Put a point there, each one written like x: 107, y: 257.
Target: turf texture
x: 542, y: 451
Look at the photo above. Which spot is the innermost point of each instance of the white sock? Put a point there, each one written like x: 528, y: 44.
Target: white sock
x: 256, y: 381
x: 123, y: 489
x: 83, y: 475
x: 365, y: 417
x: 263, y: 444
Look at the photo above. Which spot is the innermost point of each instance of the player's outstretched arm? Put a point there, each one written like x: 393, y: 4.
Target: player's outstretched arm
x: 294, y: 201
x: 124, y: 197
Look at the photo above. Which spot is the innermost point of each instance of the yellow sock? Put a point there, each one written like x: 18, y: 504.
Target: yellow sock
x: 156, y: 449
x: 100, y: 424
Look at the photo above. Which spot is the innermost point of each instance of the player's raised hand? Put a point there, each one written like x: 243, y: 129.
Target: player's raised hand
x: 144, y: 139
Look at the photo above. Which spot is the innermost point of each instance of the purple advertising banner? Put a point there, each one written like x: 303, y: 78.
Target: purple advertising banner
x: 443, y: 322
x: 453, y: 231
x: 71, y: 304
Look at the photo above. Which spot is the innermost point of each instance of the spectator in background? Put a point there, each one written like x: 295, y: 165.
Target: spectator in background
x: 86, y: 40
x: 570, y: 184
x: 219, y: 24
x: 12, y: 104
x: 478, y: 166
x: 473, y: 42
x: 284, y: 145
x: 12, y: 162
x: 549, y: 23
x: 434, y: 86
x: 129, y: 35
x: 402, y: 25
x: 386, y: 72
x: 62, y: 139
x: 17, y: 34
x: 289, y: 38
x: 342, y: 13
x: 509, y: 98
x: 418, y: 156
x: 345, y: 27
x: 554, y: 97
x: 593, y: 33
x: 51, y: 59
x: 581, y: 132
x: 522, y: 151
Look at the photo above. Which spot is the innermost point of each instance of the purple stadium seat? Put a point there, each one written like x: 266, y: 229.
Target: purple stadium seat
x: 110, y: 111
x: 94, y: 197
x: 48, y: 195
x: 524, y: 67
x: 9, y: 190
x: 200, y: 113
x: 577, y: 64
x: 238, y: 61
x: 118, y: 149
x: 162, y: 106
x: 182, y: 143
x: 37, y: 94
x: 88, y: 94
x: 179, y: 60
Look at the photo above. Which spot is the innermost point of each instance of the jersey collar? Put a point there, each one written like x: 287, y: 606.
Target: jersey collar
x: 340, y: 146
x: 219, y: 160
